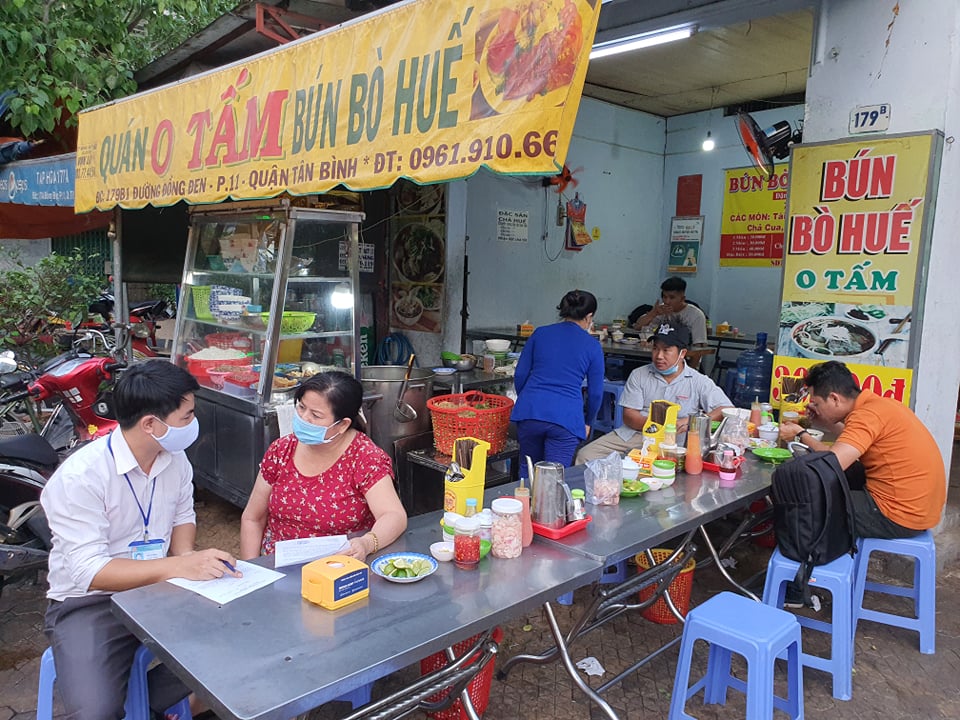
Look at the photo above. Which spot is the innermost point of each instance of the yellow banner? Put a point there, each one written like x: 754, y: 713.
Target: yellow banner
x: 855, y: 235
x: 751, y: 231
x: 430, y: 90
x: 893, y: 383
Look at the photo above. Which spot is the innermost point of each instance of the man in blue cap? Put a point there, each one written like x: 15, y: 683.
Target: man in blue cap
x: 667, y: 377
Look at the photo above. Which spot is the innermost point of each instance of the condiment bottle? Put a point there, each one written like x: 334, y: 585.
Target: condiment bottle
x: 466, y: 543
x: 756, y: 412
x: 669, y: 434
x: 728, y: 469
x: 471, y: 507
x: 578, y: 510
x: 523, y: 495
x: 694, y: 462
x: 486, y: 524
x: 507, y: 540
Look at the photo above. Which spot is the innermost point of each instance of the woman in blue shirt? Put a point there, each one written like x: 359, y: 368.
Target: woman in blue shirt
x: 549, y: 381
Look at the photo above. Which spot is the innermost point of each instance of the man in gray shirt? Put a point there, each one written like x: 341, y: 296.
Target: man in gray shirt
x: 667, y: 378
x: 673, y: 307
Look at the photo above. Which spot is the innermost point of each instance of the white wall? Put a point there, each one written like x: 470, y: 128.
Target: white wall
x: 620, y: 152
x: 746, y: 297
x: 30, y: 251
x: 911, y: 61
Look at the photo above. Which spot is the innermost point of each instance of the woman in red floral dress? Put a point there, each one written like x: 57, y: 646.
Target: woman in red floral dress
x: 326, y: 478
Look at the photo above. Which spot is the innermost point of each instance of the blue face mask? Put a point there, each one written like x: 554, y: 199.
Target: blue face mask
x: 669, y: 370
x: 310, y: 434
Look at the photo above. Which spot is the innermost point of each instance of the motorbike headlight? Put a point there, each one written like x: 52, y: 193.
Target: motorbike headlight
x: 140, y: 330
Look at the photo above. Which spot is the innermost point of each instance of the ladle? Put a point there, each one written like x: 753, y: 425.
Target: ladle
x: 404, y: 412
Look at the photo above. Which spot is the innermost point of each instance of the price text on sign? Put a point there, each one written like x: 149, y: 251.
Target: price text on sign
x: 888, y: 382
x: 430, y: 91
x: 870, y: 118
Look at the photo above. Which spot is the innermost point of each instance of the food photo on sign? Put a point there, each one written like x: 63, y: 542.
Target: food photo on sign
x: 527, y: 52
x: 867, y: 333
x: 416, y: 307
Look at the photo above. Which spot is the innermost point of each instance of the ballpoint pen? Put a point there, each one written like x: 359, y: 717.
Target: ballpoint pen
x: 230, y: 567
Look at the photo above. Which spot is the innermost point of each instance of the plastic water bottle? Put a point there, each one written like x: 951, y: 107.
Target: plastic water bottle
x: 754, y: 368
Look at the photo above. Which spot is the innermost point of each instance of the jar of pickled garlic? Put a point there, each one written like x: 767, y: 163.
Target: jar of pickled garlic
x: 507, y: 540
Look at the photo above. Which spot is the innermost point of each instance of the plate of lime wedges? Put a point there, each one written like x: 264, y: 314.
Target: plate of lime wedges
x: 404, y: 567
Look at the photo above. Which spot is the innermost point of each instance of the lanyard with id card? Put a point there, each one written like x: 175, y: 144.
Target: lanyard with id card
x: 145, y: 549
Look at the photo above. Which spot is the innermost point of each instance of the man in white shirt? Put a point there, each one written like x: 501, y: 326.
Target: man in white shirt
x: 673, y: 307
x: 666, y: 378
x: 121, y: 514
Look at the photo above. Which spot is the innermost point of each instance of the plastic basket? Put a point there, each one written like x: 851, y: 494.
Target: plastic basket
x: 293, y: 322
x: 474, y: 414
x: 201, y: 302
x: 479, y: 687
x: 680, y: 588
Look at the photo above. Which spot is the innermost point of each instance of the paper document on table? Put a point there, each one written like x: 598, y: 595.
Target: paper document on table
x: 302, y: 550
x: 227, y: 588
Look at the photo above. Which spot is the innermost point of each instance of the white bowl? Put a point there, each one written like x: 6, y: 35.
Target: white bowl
x: 442, y: 551
x: 815, y: 434
x: 498, y: 345
x: 765, y: 434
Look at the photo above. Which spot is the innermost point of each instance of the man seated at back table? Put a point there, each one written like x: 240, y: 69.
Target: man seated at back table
x: 673, y: 307
x: 667, y: 378
x: 905, y: 487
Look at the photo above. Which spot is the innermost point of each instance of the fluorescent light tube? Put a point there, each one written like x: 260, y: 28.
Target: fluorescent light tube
x: 642, y: 40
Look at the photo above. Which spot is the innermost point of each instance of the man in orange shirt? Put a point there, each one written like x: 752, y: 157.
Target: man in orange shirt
x: 905, y: 487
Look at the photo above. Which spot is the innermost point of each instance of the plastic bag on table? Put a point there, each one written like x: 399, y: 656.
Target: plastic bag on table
x: 602, y: 479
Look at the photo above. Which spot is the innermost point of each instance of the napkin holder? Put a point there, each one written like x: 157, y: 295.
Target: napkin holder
x: 661, y: 414
x: 335, y: 581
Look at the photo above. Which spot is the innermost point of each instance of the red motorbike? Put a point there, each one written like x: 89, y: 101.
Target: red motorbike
x: 143, y: 322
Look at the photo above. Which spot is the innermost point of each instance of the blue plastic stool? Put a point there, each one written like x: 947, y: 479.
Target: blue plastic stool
x: 610, y: 415
x: 565, y: 599
x: 923, y: 592
x: 137, y: 705
x: 732, y: 623
x: 837, y: 577
x: 615, y: 573
x: 358, y: 697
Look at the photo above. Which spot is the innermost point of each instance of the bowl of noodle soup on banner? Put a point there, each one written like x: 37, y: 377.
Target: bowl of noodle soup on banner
x: 833, y: 338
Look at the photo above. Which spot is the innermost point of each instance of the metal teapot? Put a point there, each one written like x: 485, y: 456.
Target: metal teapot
x: 550, y: 495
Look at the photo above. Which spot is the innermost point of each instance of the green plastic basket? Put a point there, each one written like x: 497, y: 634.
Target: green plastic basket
x: 293, y: 322
x: 201, y: 302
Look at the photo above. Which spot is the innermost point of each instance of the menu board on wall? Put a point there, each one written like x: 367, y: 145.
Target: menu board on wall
x: 417, y: 268
x: 751, y: 231
x: 856, y: 245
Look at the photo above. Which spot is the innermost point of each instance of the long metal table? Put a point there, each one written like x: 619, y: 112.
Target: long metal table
x: 272, y: 654
x: 618, y: 532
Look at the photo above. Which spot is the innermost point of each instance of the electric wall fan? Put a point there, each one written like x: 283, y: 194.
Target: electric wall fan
x: 763, y: 146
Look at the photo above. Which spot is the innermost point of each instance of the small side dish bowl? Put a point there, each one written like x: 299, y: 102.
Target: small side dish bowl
x: 498, y: 345
x: 485, y: 546
x: 442, y: 551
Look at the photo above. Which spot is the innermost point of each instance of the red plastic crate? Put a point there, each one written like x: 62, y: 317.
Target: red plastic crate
x: 479, y: 687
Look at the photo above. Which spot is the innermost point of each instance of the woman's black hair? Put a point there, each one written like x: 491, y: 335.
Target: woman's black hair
x: 577, y: 304
x: 342, y: 391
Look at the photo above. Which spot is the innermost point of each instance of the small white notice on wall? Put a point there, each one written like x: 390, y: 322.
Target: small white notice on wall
x: 870, y: 118
x: 513, y: 225
x: 366, y: 256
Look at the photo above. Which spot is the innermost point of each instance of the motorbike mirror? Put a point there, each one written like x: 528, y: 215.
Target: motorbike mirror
x: 8, y: 363
x: 140, y: 330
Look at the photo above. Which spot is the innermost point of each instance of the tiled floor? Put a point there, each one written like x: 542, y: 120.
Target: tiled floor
x: 892, y: 679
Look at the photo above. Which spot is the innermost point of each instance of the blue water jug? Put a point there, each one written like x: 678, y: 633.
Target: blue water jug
x: 754, y: 369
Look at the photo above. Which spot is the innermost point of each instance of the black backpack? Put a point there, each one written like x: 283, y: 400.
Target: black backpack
x: 812, y: 513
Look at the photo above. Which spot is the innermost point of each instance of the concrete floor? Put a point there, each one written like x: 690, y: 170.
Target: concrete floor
x: 892, y: 679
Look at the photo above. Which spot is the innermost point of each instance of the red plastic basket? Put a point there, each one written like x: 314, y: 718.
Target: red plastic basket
x: 680, y: 588
x: 230, y: 341
x: 474, y: 414
x: 479, y: 687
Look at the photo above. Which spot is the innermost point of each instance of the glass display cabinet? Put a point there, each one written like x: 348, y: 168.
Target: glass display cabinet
x: 268, y: 298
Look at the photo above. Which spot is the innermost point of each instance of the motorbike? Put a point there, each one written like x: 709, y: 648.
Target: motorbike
x: 78, y: 380
x: 143, y: 322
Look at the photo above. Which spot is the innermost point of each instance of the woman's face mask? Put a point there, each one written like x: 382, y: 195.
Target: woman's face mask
x: 310, y: 434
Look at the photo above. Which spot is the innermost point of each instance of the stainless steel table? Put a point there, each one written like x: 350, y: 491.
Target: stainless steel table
x: 472, y: 380
x: 618, y: 532
x: 272, y: 654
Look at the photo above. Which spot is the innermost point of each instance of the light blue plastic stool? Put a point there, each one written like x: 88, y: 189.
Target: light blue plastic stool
x: 923, y: 592
x: 137, y: 705
x: 732, y: 623
x: 357, y: 697
x: 837, y: 577
x: 610, y: 415
x: 615, y: 573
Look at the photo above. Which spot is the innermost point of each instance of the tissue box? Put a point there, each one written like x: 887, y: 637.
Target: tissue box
x: 335, y: 581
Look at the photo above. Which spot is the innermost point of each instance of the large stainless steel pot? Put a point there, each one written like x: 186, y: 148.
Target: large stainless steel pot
x: 386, y: 380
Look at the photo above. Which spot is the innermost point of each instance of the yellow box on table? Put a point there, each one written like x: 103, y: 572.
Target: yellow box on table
x: 661, y: 414
x: 335, y: 581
